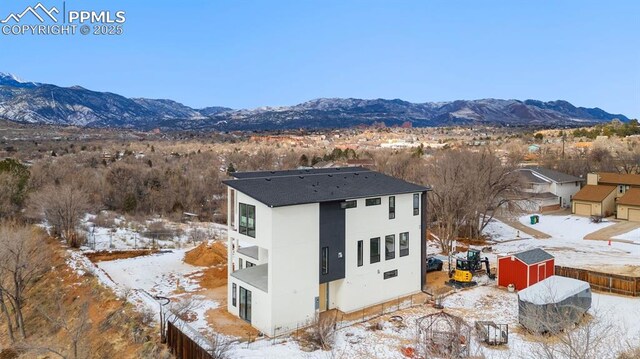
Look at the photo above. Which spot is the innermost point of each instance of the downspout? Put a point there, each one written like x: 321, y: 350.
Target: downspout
x: 423, y: 241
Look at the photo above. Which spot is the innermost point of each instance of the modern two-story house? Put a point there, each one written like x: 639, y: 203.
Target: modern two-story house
x: 305, y: 241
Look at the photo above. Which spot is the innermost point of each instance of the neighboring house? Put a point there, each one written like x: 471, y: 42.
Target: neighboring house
x: 525, y: 268
x: 629, y: 205
x: 603, y: 195
x: 549, y: 189
x: 304, y: 241
x: 595, y: 200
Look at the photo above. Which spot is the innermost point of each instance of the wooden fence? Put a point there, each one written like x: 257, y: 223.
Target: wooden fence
x: 603, y: 282
x: 182, y: 346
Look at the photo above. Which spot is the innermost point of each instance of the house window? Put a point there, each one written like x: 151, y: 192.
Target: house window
x: 620, y: 189
x: 232, y: 215
x: 360, y: 253
x: 392, y: 207
x: 390, y: 274
x: 240, y: 263
x: 416, y: 204
x: 373, y: 201
x: 404, y: 244
x: 249, y: 264
x: 390, y: 247
x: 349, y: 204
x: 325, y: 260
x: 374, y: 250
x: 233, y: 294
x: 248, y: 220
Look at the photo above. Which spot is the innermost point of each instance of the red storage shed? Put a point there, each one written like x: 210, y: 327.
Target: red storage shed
x: 525, y: 268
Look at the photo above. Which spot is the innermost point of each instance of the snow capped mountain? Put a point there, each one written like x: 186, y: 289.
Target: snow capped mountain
x: 49, y: 104
x: 7, y: 79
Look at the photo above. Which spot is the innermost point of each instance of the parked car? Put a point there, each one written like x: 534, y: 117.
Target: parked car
x: 433, y: 264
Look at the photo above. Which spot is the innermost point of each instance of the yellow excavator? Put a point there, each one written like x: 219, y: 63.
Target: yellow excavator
x: 466, y: 269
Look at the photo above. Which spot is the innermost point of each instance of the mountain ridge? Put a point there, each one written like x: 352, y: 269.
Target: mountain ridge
x: 33, y: 102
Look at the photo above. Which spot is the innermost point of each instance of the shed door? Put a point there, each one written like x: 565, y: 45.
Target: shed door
x: 583, y: 209
x: 634, y: 215
x: 542, y: 272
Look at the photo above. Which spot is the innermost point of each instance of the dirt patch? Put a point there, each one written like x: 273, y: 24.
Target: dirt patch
x: 103, y: 256
x: 224, y: 322
x: 207, y: 255
x: 212, y: 278
x: 436, y: 280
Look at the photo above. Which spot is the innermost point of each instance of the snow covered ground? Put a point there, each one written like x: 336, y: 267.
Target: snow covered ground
x: 566, y: 243
x: 165, y: 274
x: 125, y: 235
x: 565, y: 227
x: 630, y: 236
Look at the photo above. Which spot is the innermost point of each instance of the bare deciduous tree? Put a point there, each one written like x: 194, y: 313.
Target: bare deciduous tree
x: 62, y: 207
x: 23, y: 259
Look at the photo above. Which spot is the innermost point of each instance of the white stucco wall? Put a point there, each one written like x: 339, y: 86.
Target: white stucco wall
x: 565, y: 191
x: 294, y: 266
x: 365, y: 286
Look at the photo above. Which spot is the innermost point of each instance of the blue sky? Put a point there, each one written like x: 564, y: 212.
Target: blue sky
x: 265, y: 53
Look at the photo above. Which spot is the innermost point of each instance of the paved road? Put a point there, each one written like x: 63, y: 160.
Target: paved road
x: 609, y: 232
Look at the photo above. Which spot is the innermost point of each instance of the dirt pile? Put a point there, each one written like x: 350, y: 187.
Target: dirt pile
x: 207, y: 255
x: 213, y: 277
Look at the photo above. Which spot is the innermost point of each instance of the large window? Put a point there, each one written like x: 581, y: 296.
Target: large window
x: 245, y: 304
x: 325, y: 260
x: 416, y: 204
x: 404, y: 244
x: 248, y: 220
x: 234, y: 295
x: 232, y: 215
x: 392, y: 207
x: 374, y: 250
x: 390, y: 246
x: 373, y: 201
x: 360, y: 253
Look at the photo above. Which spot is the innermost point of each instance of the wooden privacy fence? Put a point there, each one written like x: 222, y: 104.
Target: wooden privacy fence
x: 604, y: 282
x: 182, y: 346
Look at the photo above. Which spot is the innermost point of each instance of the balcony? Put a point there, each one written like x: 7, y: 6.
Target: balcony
x: 256, y: 276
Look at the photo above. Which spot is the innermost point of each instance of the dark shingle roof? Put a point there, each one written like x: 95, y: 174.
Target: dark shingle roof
x: 533, y: 256
x: 529, y: 177
x: 285, y: 188
x: 554, y: 175
x: 300, y: 172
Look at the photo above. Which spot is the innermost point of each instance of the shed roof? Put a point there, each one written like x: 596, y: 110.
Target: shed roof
x: 594, y: 193
x: 285, y: 188
x: 533, y: 256
x: 631, y: 197
x: 553, y: 289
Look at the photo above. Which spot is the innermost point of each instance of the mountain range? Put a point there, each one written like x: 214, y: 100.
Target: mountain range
x: 39, y: 103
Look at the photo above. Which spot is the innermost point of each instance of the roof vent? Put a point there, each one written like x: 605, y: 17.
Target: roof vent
x: 356, y: 174
x: 330, y: 175
x: 301, y: 177
x: 273, y: 172
x: 268, y: 179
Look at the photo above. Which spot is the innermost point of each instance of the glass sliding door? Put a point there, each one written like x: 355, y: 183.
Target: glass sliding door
x: 245, y: 304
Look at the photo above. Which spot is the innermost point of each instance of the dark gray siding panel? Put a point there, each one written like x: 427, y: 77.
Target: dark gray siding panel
x: 332, y: 235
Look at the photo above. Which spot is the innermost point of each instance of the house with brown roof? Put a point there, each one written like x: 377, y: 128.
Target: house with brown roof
x: 629, y: 205
x: 607, y: 193
x: 594, y: 200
